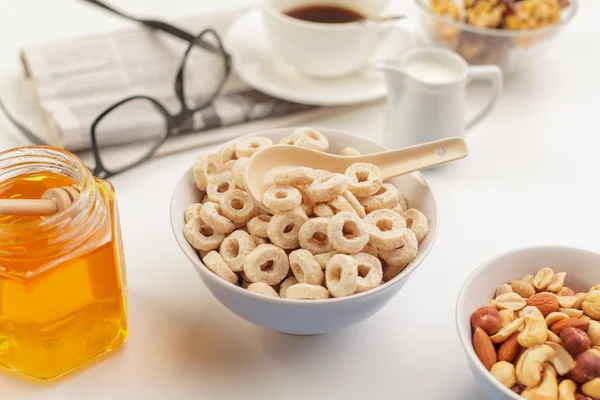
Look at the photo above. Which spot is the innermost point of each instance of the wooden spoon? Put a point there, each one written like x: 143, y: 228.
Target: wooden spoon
x: 52, y: 201
x: 263, y: 165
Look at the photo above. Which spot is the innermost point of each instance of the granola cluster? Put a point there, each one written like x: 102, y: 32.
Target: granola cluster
x: 509, y: 15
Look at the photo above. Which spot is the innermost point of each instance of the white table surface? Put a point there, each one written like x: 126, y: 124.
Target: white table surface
x: 530, y: 179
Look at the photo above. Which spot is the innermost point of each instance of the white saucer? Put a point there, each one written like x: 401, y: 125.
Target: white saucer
x: 258, y: 67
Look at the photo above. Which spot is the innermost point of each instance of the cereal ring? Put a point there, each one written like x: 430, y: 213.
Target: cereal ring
x: 314, y: 139
x: 417, y: 222
x: 386, y: 197
x: 235, y: 248
x: 284, y: 228
x: 385, y: 229
x: 258, y: 240
x: 341, y: 275
x: 370, y: 272
x: 228, y: 153
x: 363, y: 179
x: 191, y: 211
x: 313, y: 236
x: 370, y: 249
x: 399, y: 258
x: 228, y: 166
x: 323, y: 210
x: 262, y: 288
x: 307, y: 204
x: 297, y: 176
x: 280, y: 198
x: 204, y: 166
x: 247, y: 147
x: 402, y: 201
x: 324, y: 258
x: 296, y: 139
x: 202, y: 236
x: 305, y: 291
x: 340, y: 204
x: 286, y: 284
x: 350, y: 151
x: 347, y: 233
x: 327, y: 187
x: 211, y: 214
x: 238, y: 170
x: 218, y: 186
x: 257, y: 226
x: 238, y: 206
x: 354, y: 203
x: 266, y: 263
x: 215, y: 263
x: 305, y: 268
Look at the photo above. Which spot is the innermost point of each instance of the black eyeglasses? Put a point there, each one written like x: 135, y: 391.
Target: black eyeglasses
x: 130, y: 132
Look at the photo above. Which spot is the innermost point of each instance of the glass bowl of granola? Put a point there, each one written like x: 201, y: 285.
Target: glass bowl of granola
x: 506, y: 33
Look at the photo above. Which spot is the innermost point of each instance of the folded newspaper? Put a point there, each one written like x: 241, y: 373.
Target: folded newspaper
x: 76, y: 79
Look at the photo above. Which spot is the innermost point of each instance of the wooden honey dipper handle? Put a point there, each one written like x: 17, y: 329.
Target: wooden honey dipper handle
x: 52, y: 201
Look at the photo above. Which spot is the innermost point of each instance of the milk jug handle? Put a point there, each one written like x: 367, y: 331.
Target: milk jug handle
x: 485, y: 73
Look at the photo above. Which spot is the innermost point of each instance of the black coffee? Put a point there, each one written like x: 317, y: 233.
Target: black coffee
x: 325, y: 14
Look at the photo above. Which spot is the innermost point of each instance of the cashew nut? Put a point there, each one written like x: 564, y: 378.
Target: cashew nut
x: 562, y: 361
x: 592, y: 388
x: 507, y: 330
x: 566, y: 390
x: 505, y: 373
x: 548, y: 388
x: 529, y: 367
x: 536, y: 330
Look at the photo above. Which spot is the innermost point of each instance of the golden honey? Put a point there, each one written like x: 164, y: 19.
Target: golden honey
x: 62, y: 277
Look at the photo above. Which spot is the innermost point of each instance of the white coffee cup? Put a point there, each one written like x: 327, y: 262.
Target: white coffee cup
x: 325, y: 50
x: 427, y: 90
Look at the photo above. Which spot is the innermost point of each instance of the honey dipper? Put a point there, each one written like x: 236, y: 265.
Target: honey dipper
x: 52, y: 201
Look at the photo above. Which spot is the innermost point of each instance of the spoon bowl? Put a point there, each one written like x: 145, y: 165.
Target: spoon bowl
x: 263, y: 165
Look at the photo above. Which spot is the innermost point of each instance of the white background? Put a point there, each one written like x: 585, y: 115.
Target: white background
x: 531, y: 178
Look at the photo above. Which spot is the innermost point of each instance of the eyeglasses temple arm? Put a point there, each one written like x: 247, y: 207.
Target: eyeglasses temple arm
x: 159, y: 25
x: 26, y: 132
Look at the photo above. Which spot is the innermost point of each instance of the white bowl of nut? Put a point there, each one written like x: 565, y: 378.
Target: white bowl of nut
x: 509, y: 34
x: 281, y: 271
x: 528, y: 321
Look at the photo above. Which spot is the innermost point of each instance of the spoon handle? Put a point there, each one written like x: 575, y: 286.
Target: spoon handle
x: 27, y: 207
x: 402, y: 161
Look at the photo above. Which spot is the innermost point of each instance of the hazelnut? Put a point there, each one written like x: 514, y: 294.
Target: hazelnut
x: 587, y: 367
x: 575, y: 340
x: 486, y: 318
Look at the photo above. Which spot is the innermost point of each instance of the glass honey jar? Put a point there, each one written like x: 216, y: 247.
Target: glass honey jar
x: 62, y: 277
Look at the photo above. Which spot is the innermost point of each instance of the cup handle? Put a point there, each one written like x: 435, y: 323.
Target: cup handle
x: 489, y: 73
x: 386, y: 34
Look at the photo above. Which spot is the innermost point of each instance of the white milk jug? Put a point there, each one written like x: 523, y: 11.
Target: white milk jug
x: 427, y: 96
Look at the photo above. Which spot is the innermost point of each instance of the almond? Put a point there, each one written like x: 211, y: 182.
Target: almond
x: 509, y: 349
x: 484, y: 348
x: 522, y: 288
x: 545, y: 302
x: 557, y: 327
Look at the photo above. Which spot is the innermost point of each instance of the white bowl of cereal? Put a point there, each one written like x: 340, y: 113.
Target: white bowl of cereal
x: 509, y: 34
x: 265, y: 274
x: 528, y: 322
